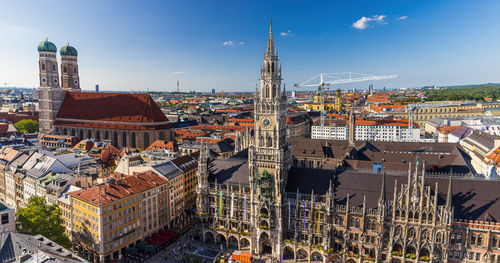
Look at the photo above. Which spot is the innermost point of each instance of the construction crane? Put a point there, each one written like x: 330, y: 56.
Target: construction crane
x: 323, y: 80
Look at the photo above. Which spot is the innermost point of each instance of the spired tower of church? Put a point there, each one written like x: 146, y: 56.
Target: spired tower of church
x: 69, y: 69
x: 269, y: 156
x: 50, y: 94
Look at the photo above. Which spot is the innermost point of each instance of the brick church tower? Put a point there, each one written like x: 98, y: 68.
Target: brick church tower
x: 50, y: 94
x: 69, y: 69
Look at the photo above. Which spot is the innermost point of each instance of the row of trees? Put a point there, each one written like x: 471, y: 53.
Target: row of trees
x: 476, y: 92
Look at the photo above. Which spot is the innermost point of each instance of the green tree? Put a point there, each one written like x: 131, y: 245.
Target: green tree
x: 40, y: 218
x: 26, y: 126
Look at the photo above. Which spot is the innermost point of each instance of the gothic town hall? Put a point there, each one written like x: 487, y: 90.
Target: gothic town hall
x: 260, y: 202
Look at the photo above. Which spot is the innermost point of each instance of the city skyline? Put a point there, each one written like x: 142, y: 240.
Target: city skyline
x: 217, y: 45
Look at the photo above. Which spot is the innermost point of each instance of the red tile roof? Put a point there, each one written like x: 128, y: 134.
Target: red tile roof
x: 110, y: 192
x: 125, y: 111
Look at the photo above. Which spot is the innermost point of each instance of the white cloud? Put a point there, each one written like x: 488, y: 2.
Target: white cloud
x: 241, y: 43
x: 364, y: 22
x: 402, y: 17
x: 287, y: 33
x: 228, y: 43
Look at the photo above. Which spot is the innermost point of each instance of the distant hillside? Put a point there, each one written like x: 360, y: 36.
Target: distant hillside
x: 469, y: 92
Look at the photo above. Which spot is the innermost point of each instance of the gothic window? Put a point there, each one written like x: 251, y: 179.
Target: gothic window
x: 53, y: 67
x: 357, y: 223
x: 411, y: 233
x: 480, y: 240
x: 439, y: 237
x: 424, y: 217
x: 494, y: 242
x: 397, y: 213
x: 65, y: 69
x: 98, y: 135
x: 268, y: 67
x: 410, y: 215
x: 43, y: 66
x: 397, y: 232
x: 267, y: 93
x: 272, y: 67
x: 274, y: 91
x: 74, y: 70
x: 73, y: 132
x: 369, y: 224
x: 106, y: 135
x: 81, y: 134
x: 416, y: 215
x: 473, y: 239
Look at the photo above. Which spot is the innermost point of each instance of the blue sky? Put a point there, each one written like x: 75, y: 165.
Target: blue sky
x: 135, y: 45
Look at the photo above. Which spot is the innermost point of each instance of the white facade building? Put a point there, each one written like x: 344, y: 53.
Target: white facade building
x: 372, y: 132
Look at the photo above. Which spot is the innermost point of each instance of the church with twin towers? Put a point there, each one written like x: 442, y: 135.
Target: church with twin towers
x: 263, y: 200
x: 123, y: 119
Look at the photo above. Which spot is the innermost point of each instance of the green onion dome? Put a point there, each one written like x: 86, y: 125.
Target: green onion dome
x: 47, y: 46
x: 68, y: 51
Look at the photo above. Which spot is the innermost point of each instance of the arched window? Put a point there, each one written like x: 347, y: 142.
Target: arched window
x: 268, y: 67
x: 473, y: 239
x: 73, y: 132
x: 81, y: 134
x: 132, y: 137
x: 146, y: 140
x: 43, y: 66
x: 357, y: 223
x: 65, y: 131
x: 53, y: 67
x: 124, y: 139
x: 273, y: 90
x: 65, y: 69
x: 106, y: 135
x: 89, y: 134
x: 115, y: 139
x: 74, y: 70
x: 98, y: 135
x: 480, y: 240
x: 272, y: 67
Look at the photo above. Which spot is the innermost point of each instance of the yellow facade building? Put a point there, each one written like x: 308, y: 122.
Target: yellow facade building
x: 106, y: 218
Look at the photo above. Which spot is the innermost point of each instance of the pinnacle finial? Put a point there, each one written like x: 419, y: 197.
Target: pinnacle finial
x: 270, y: 43
x: 450, y: 192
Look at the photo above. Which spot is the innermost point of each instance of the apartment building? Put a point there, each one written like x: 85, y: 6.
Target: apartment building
x: 367, y: 130
x: 110, y: 217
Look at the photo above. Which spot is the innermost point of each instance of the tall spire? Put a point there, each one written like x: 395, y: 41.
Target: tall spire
x: 449, y: 195
x: 270, y: 41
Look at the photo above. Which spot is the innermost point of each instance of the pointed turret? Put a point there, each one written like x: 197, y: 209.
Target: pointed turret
x: 449, y: 194
x: 270, y: 42
x: 382, y: 189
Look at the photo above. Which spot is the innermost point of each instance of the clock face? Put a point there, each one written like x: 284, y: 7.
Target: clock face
x: 44, y: 80
x: 266, y: 123
x: 76, y: 81
x: 55, y: 80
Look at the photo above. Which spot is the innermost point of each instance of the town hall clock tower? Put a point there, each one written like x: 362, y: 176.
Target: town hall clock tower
x: 269, y: 156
